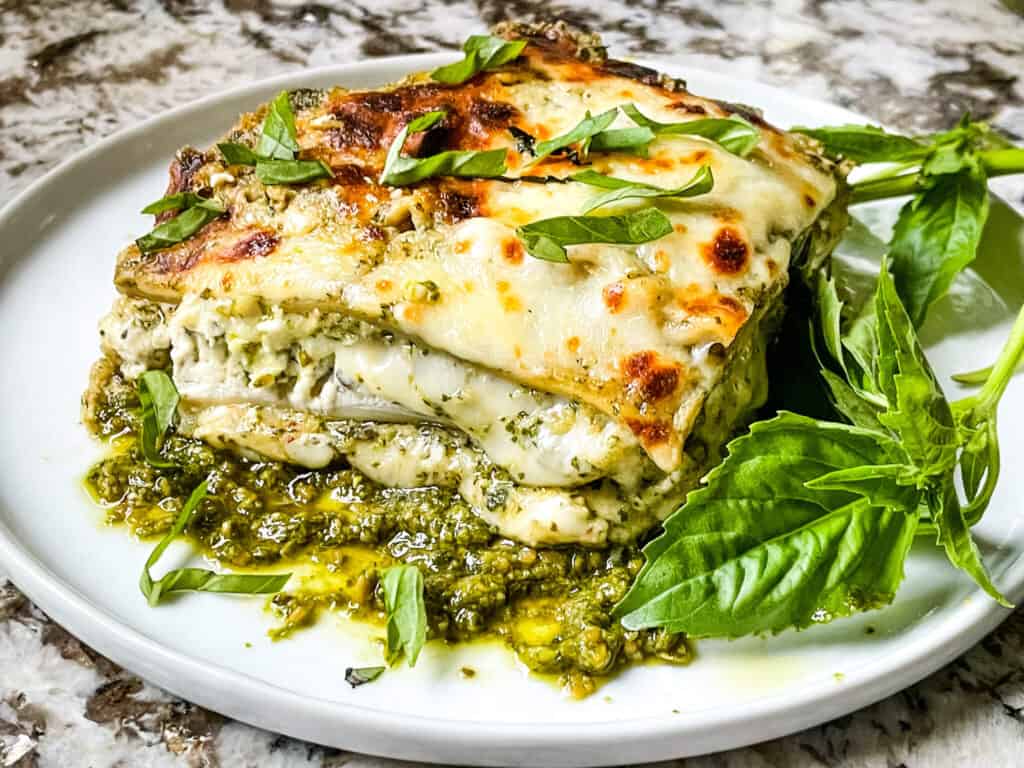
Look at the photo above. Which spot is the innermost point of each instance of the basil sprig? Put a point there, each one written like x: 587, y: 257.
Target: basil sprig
x: 275, y: 154
x: 196, y: 213
x: 546, y: 239
x: 402, y: 587
x: 937, y: 232
x: 200, y: 579
x: 482, y: 52
x: 623, y: 189
x: 733, y: 134
x: 805, y: 520
x: 400, y: 170
x: 159, y: 400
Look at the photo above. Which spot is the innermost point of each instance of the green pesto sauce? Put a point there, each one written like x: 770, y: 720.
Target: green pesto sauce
x: 551, y: 606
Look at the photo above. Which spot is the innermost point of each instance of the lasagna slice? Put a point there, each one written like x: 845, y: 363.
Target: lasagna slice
x: 410, y: 332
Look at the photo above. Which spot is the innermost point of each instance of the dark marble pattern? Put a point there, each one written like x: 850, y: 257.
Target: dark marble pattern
x: 73, y: 72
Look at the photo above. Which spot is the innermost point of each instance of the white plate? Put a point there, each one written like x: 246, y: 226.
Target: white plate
x: 57, y: 246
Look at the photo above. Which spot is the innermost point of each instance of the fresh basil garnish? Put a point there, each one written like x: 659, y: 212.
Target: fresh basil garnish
x: 237, y: 154
x: 357, y: 676
x: 546, y: 239
x: 865, y: 143
x: 174, y: 202
x: 402, y: 587
x: 159, y: 400
x: 733, y: 134
x: 631, y: 140
x: 200, y: 579
x: 400, y: 171
x: 584, y: 130
x: 278, y: 139
x: 291, y: 171
x: 623, y: 189
x: 182, y: 226
x: 482, y: 52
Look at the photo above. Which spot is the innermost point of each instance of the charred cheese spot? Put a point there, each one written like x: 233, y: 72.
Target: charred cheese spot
x: 454, y: 206
x: 461, y: 246
x: 573, y: 344
x: 253, y: 246
x: 512, y: 251
x: 647, y: 379
x: 650, y: 433
x: 632, y: 71
x: 184, y: 166
x: 809, y: 200
x: 726, y: 311
x: 728, y: 252
x: 614, y: 295
x: 687, y: 107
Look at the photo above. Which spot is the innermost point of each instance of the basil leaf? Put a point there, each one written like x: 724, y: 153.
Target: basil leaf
x: 200, y: 579
x: 936, y: 236
x: 733, y: 134
x: 181, y: 227
x: 756, y: 549
x: 585, y: 129
x: 237, y: 154
x: 174, y: 202
x: 546, y: 239
x: 291, y: 171
x: 623, y: 189
x: 159, y: 399
x: 865, y: 143
x: 400, y: 171
x: 482, y: 52
x: 402, y: 586
x: 357, y: 676
x: 278, y: 140
x: 634, y: 140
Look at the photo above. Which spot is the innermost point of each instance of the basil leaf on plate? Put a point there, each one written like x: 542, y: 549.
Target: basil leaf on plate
x: 733, y: 134
x: 200, y: 579
x: 278, y: 140
x: 482, y: 52
x: 181, y: 227
x: 174, y: 202
x: 402, y: 586
x: 357, y: 676
x: 866, y: 143
x: 291, y: 171
x: 400, y: 171
x: 235, y: 153
x: 159, y: 399
x: 546, y: 239
x: 623, y: 189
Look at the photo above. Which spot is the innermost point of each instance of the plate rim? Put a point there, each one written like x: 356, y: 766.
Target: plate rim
x: 425, y: 738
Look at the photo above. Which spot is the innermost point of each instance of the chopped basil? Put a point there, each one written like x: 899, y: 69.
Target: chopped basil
x: 400, y: 171
x: 174, y: 202
x: 585, y: 129
x: 623, y: 189
x: 356, y: 676
x: 237, y: 154
x: 546, y: 239
x: 159, y: 399
x: 182, y: 226
x: 736, y: 135
x: 278, y: 140
x: 291, y: 171
x: 200, y: 579
x: 402, y: 586
x: 482, y: 52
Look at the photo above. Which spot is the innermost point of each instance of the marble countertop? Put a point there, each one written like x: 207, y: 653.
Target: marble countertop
x: 73, y: 72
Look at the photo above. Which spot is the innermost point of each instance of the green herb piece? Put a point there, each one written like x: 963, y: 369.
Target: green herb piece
x: 159, y: 399
x: 181, y: 227
x: 278, y: 140
x: 174, y: 202
x: 482, y: 52
x: 237, y: 154
x: 400, y: 171
x: 291, y: 171
x: 936, y: 236
x: 756, y: 549
x: 585, y: 129
x: 357, y: 676
x: 631, y: 140
x: 866, y: 143
x: 402, y: 586
x: 623, y: 189
x: 731, y: 133
x: 200, y: 579
x: 546, y: 239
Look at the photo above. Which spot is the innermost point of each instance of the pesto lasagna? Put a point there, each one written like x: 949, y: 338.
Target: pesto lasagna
x: 545, y: 284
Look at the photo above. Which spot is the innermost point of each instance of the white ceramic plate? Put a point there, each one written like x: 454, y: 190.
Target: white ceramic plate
x: 57, y: 246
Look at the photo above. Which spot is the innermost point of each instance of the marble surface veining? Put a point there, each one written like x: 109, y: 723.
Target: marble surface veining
x: 73, y: 72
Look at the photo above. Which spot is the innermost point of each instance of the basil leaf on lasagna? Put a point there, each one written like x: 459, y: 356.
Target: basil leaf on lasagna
x: 182, y: 226
x: 546, y: 239
x: 278, y: 138
x: 733, y: 134
x: 585, y: 129
x: 174, y: 202
x: 235, y: 153
x: 291, y: 171
x: 482, y: 52
x: 624, y: 189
